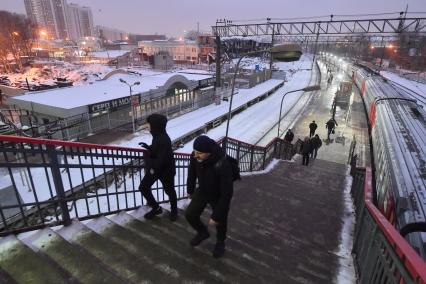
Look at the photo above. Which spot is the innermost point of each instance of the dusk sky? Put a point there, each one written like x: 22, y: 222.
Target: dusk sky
x: 172, y: 17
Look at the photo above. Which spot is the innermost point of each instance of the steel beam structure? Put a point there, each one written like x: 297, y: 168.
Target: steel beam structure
x: 333, y: 38
x: 225, y: 28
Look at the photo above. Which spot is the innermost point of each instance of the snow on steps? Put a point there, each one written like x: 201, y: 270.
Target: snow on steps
x: 272, y: 238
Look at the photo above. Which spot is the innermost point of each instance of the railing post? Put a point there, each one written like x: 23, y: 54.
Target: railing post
x: 264, y: 158
x: 59, y: 186
x: 251, y: 158
x: 275, y: 148
x: 238, y: 151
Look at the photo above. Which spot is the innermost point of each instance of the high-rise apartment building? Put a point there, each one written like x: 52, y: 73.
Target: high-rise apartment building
x: 59, y: 19
x: 49, y: 15
x: 80, y: 21
x: 86, y: 21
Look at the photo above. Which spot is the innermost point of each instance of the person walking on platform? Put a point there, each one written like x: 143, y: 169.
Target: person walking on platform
x: 159, y: 165
x: 289, y: 136
x: 208, y: 165
x: 316, y: 143
x: 312, y: 127
x: 306, y: 151
x: 330, y: 125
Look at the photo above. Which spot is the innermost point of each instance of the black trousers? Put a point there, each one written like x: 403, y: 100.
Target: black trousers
x: 168, y: 187
x: 305, y: 160
x: 311, y: 133
x: 314, y: 153
x: 194, y: 211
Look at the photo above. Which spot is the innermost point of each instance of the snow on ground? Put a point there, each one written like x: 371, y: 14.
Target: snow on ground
x: 248, y: 126
x: 78, y: 73
x: 412, y: 85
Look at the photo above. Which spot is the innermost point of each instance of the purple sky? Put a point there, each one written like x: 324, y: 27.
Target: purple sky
x: 172, y: 17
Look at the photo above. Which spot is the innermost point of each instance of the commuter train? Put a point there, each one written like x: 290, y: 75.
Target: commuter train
x: 398, y: 132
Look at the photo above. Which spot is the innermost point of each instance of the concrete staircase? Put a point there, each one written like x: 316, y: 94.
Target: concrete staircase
x: 283, y: 228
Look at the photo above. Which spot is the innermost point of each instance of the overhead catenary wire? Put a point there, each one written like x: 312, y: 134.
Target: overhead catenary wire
x: 333, y: 16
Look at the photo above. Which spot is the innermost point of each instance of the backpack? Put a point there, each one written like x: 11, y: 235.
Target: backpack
x: 235, y: 168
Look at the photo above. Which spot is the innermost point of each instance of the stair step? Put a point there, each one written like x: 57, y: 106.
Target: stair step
x: 225, y: 269
x: 184, y: 258
x: 259, y: 240
x: 166, y: 263
x: 114, y: 256
x: 25, y: 266
x: 240, y: 260
x: 83, y: 266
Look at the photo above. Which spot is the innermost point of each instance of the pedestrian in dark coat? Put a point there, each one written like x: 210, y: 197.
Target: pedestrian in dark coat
x: 316, y: 143
x: 306, y: 151
x: 312, y: 127
x: 289, y: 136
x: 210, y: 167
x: 159, y: 165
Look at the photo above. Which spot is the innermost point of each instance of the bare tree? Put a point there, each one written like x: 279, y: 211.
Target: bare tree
x: 16, y: 36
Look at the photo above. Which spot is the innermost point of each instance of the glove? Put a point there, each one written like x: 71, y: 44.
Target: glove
x: 144, y: 145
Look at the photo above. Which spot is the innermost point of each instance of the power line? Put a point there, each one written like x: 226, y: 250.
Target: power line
x: 325, y: 16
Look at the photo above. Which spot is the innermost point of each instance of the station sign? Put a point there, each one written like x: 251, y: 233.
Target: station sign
x: 206, y: 82
x: 112, y: 104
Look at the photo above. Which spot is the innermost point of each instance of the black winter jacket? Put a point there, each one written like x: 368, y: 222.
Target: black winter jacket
x: 306, y: 147
x: 316, y: 142
x: 215, y: 182
x: 289, y: 136
x: 160, y: 154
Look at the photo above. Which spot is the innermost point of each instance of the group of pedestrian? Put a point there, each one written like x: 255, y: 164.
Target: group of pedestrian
x: 210, y: 182
x: 310, y: 144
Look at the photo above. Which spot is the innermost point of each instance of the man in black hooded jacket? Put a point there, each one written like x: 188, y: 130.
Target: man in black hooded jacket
x: 210, y: 167
x: 159, y: 165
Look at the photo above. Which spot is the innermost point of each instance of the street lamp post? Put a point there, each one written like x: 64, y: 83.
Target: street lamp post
x: 306, y: 89
x: 131, y: 101
x: 278, y: 52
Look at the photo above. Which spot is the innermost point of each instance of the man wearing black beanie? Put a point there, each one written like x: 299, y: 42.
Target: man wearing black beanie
x: 159, y: 165
x: 210, y: 167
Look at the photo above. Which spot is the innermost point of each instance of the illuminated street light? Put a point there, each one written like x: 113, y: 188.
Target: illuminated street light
x: 306, y: 89
x: 131, y: 101
x: 43, y: 33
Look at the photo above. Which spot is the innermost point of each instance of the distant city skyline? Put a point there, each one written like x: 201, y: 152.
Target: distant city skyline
x: 174, y: 17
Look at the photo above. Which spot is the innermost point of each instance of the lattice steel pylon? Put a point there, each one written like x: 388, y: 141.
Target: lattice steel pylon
x: 319, y: 31
x: 340, y: 27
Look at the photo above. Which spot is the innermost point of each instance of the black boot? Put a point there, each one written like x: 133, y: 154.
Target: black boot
x: 173, y: 215
x: 199, y: 237
x: 154, y: 212
x: 219, y: 250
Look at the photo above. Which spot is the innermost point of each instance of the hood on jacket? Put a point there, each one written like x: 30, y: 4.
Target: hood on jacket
x: 157, y: 123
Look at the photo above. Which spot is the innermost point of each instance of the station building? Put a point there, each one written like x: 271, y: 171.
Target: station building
x: 75, y: 112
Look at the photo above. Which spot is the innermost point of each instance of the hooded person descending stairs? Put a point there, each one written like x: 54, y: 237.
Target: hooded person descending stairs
x: 159, y: 165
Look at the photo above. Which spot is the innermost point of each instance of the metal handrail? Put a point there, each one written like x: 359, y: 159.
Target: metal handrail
x: 382, y: 255
x: 52, y: 181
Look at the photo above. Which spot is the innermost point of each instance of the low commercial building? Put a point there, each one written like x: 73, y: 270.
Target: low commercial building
x: 75, y: 112
x: 182, y: 52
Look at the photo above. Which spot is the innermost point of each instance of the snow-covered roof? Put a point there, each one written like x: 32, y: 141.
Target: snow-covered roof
x: 109, y: 53
x: 100, y: 91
